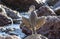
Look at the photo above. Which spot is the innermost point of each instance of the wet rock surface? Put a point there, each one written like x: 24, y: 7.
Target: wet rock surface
x: 57, y: 4
x: 45, y: 11
x: 36, y: 36
x: 9, y: 37
x: 56, y: 8
x: 21, y: 5
x: 57, y: 11
x: 51, y: 2
x: 11, y: 14
x: 4, y: 20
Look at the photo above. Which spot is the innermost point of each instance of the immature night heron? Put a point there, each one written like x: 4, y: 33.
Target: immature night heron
x: 33, y: 22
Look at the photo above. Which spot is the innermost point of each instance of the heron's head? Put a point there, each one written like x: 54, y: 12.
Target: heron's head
x: 31, y: 8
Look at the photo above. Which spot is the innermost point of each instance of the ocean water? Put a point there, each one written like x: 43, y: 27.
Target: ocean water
x: 17, y: 30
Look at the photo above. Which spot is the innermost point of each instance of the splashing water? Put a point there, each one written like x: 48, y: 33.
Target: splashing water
x: 40, y: 1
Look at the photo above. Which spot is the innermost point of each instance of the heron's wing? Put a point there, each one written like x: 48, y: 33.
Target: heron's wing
x: 40, y: 22
x: 26, y: 22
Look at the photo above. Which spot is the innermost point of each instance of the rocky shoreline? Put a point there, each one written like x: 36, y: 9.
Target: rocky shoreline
x: 51, y: 29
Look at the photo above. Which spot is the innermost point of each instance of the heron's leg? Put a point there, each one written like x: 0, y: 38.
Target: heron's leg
x: 34, y: 30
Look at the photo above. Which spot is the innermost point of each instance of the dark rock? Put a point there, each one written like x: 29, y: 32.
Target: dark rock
x: 51, y: 2
x: 14, y: 15
x: 21, y: 5
x: 36, y: 36
x: 4, y: 20
x: 45, y: 11
x: 10, y: 37
x: 9, y: 29
x: 57, y: 4
x: 2, y: 30
x: 25, y: 30
x: 11, y: 13
x: 1, y: 37
x: 57, y: 10
x: 12, y: 33
x: 50, y: 29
